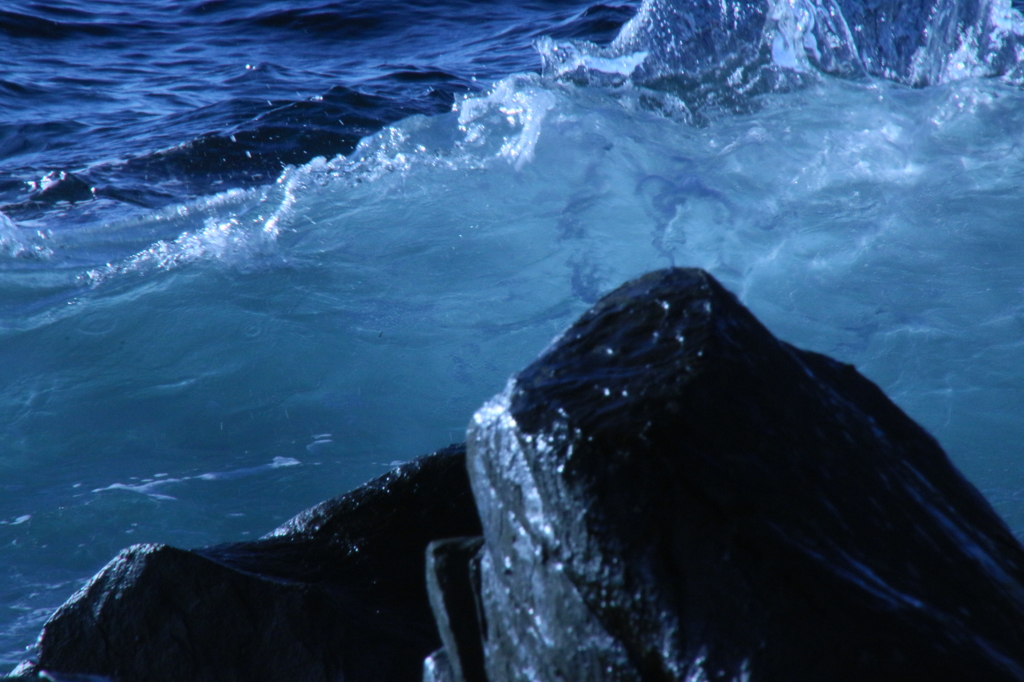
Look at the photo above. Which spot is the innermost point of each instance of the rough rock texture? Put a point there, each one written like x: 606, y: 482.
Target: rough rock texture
x: 337, y: 593
x: 454, y: 587
x: 671, y: 493
x: 437, y: 667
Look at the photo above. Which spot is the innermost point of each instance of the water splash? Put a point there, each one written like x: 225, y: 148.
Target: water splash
x: 724, y: 52
x: 522, y: 104
x: 234, y: 227
x: 14, y: 243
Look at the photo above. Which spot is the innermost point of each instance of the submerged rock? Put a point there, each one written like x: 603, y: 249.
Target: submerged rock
x: 671, y: 493
x: 336, y: 593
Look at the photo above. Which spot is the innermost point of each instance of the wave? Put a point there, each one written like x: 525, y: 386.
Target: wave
x: 56, y: 26
x: 185, y: 100
x: 714, y: 53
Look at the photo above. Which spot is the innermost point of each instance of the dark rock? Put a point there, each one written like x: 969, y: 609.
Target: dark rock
x: 58, y: 186
x: 336, y: 593
x: 48, y: 676
x: 671, y: 493
x: 453, y: 586
x: 438, y: 668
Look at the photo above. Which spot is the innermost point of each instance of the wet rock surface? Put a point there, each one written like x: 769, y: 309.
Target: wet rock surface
x: 453, y: 583
x: 336, y: 593
x: 670, y: 492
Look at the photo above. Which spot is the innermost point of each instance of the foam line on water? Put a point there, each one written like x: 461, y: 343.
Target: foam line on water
x: 150, y: 487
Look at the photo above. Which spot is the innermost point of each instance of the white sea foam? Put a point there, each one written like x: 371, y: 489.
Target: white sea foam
x: 224, y: 230
x: 151, y: 487
x: 15, y: 244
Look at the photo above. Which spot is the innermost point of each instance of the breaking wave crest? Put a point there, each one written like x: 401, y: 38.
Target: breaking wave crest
x: 724, y: 52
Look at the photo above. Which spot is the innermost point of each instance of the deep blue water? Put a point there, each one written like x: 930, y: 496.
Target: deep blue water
x: 251, y: 254
x: 151, y: 103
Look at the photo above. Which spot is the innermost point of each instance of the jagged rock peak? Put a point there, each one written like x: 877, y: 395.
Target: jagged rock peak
x: 670, y: 492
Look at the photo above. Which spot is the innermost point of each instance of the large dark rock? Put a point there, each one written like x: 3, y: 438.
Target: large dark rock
x: 671, y: 493
x: 337, y: 593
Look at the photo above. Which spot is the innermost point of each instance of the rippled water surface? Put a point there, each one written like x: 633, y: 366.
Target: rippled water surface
x: 253, y: 254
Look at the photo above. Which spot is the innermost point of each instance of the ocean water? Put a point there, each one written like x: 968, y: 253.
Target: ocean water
x: 251, y: 255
